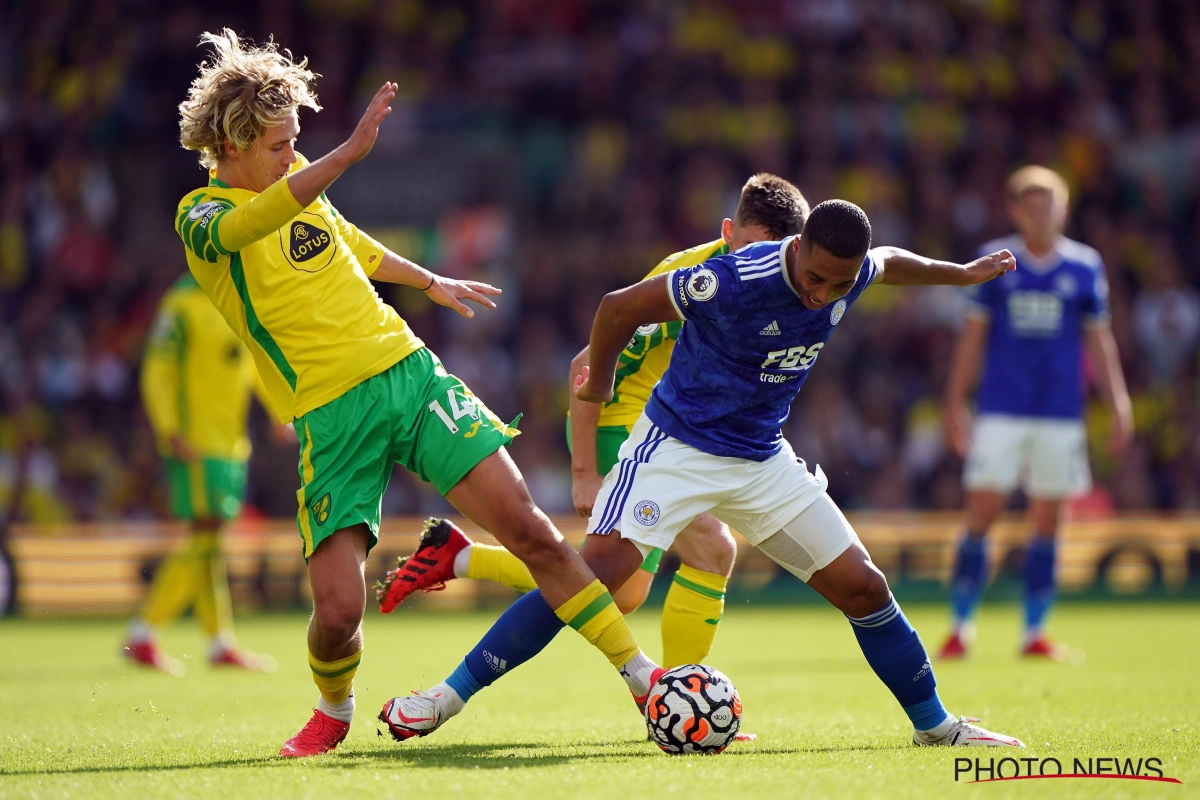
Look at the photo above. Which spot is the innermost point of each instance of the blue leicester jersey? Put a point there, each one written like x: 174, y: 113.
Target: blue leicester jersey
x: 1033, y: 363
x: 744, y: 353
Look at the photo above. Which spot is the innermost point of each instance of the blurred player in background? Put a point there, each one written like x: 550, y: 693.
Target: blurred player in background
x: 197, y: 378
x: 769, y: 209
x: 292, y: 277
x: 1027, y: 329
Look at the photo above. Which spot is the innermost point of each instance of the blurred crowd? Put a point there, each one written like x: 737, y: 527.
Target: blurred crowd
x: 626, y: 130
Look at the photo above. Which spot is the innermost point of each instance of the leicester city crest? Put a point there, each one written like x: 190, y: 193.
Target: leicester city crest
x: 838, y: 311
x: 646, y: 512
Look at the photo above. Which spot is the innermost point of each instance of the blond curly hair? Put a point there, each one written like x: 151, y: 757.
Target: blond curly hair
x: 244, y: 90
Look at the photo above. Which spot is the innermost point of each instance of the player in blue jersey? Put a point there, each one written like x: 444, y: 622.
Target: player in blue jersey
x: 710, y: 440
x: 1028, y: 330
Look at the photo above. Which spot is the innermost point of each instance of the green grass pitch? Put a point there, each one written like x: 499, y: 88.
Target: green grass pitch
x: 77, y: 722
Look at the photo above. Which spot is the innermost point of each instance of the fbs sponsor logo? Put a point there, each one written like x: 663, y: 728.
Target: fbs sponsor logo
x: 308, y: 243
x: 771, y: 330
x: 495, y: 662
x: 979, y: 770
x: 320, y: 509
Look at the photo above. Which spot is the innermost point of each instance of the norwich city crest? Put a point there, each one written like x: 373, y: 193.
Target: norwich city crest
x: 320, y: 509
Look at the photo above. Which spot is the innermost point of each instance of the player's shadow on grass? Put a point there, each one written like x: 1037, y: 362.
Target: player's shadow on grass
x: 98, y: 769
x: 494, y: 756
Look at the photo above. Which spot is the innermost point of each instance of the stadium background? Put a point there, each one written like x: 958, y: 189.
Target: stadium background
x: 559, y: 149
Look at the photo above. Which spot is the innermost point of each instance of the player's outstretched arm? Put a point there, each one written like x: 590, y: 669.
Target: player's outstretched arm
x: 620, y: 314
x: 901, y: 268
x: 446, y: 292
x: 307, y: 184
x: 581, y: 428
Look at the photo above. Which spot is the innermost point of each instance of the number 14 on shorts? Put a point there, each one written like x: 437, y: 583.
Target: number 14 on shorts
x: 459, y: 408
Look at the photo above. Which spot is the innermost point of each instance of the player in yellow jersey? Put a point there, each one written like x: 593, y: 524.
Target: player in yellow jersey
x: 769, y: 208
x: 291, y: 277
x: 196, y: 383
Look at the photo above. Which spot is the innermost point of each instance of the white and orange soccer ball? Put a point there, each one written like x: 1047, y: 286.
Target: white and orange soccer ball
x: 693, y: 709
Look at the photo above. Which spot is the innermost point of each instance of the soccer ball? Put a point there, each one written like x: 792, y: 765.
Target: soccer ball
x: 693, y: 709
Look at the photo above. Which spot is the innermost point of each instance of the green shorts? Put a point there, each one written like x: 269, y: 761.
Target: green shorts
x: 414, y: 414
x: 609, y: 439
x: 206, y: 488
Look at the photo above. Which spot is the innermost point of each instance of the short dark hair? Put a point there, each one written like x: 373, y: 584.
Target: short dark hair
x: 772, y: 203
x: 840, y: 228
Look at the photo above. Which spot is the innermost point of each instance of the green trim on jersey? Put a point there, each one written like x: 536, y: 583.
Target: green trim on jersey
x: 260, y: 333
x: 633, y: 357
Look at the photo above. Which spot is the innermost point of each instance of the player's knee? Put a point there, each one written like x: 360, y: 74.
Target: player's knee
x: 339, y: 619
x: 867, y: 593
x: 532, y: 538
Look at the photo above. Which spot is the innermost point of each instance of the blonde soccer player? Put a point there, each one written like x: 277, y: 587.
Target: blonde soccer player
x: 292, y: 277
x: 196, y: 383
x: 769, y: 209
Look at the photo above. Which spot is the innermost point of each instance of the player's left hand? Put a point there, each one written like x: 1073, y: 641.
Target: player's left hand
x: 587, y: 392
x: 993, y: 265
x: 450, y: 293
x: 1121, y: 434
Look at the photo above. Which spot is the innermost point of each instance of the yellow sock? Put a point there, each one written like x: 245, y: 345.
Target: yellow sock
x: 593, y: 613
x: 213, y: 608
x: 334, y: 679
x: 173, y: 588
x: 490, y: 563
x: 690, y: 616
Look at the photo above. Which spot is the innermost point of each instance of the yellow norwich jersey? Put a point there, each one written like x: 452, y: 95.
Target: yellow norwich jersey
x: 293, y: 283
x: 197, y: 376
x: 647, y: 355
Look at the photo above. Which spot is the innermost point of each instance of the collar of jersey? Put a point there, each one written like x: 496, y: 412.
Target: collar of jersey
x: 1041, y: 264
x: 784, y: 265
x: 213, y: 180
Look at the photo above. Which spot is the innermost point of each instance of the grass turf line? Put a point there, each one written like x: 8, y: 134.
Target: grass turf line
x: 79, y: 722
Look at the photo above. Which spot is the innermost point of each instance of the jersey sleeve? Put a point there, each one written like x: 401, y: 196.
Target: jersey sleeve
x: 706, y: 293
x: 1095, y: 300
x: 368, y: 251
x: 161, y: 382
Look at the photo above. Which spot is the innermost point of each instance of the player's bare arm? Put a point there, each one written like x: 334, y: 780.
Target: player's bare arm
x: 901, y: 268
x: 1106, y: 361
x: 620, y: 314
x: 582, y: 423
x: 443, y: 291
x: 964, y: 370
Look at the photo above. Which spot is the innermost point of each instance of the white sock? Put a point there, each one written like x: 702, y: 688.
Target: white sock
x: 462, y: 562
x: 449, y: 703
x: 343, y: 711
x: 1032, y: 635
x: 938, y: 731
x: 140, y: 631
x: 637, y: 674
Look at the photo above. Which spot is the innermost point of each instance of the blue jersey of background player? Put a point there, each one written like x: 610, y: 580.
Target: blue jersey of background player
x: 1028, y: 329
x: 709, y: 441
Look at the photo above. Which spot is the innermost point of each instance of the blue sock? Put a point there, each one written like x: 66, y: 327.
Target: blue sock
x: 970, y: 577
x: 1039, y: 581
x: 895, y: 652
x: 521, y: 633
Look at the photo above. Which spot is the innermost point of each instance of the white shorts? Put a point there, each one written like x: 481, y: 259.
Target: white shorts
x: 660, y: 484
x: 1047, y: 457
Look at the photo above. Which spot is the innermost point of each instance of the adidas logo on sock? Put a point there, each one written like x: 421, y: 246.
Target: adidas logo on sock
x: 771, y: 330
x: 497, y: 664
x: 926, y: 668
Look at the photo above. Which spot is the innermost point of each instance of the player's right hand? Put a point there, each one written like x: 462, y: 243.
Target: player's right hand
x: 363, y: 139
x: 584, y: 488
x: 586, y: 391
x: 957, y: 425
x: 993, y: 265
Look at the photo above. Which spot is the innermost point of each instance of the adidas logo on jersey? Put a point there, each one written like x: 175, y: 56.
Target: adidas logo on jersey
x: 771, y: 330
x: 497, y: 664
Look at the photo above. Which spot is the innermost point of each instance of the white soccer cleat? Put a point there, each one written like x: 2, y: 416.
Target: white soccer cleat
x: 419, y: 714
x: 964, y: 733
